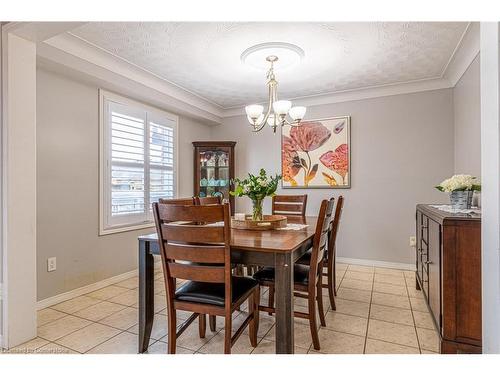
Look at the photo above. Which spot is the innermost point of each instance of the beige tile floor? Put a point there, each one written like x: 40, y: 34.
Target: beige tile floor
x: 378, y: 311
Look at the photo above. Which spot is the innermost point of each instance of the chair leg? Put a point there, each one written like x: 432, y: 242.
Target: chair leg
x: 319, y: 298
x: 212, y: 322
x: 334, y: 276
x: 331, y: 285
x: 172, y: 333
x: 270, y: 302
x: 227, y: 333
x: 253, y: 308
x: 313, y: 325
x: 202, y: 325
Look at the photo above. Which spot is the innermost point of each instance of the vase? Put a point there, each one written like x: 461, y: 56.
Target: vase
x: 461, y: 200
x: 257, y: 209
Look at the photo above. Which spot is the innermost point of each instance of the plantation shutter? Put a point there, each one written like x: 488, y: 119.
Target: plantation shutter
x: 161, y: 158
x: 139, y: 148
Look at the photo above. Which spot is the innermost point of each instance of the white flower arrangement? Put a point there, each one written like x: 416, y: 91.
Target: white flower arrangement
x: 460, y: 182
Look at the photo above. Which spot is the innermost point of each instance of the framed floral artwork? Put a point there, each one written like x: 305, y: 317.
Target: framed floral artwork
x: 316, y: 154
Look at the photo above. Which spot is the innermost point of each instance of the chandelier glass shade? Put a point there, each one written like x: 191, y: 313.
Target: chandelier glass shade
x: 277, y: 110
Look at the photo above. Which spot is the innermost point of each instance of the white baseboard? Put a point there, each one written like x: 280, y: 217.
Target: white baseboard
x: 116, y: 279
x: 84, y: 290
x: 377, y: 263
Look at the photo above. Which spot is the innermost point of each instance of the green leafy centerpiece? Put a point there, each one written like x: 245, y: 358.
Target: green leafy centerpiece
x: 256, y: 188
x: 461, y: 188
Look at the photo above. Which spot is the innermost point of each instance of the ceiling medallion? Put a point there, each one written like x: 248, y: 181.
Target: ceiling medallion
x: 289, y: 55
x: 281, y: 108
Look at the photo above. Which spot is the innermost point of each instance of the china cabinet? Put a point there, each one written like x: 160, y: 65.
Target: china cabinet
x: 214, y: 169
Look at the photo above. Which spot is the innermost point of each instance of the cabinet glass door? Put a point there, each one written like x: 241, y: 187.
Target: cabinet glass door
x: 214, y: 173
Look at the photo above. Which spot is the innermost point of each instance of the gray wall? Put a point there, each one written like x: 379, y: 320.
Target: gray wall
x: 467, y: 114
x: 67, y: 178
x: 402, y: 146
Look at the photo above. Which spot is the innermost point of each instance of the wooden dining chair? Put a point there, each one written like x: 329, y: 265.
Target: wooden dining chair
x: 178, y: 201
x: 203, y: 201
x: 198, y: 202
x: 329, y: 260
x: 307, y: 278
x: 290, y: 205
x: 195, y: 246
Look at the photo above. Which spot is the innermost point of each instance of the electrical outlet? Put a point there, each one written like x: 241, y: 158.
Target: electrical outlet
x: 51, y: 264
x: 413, y: 241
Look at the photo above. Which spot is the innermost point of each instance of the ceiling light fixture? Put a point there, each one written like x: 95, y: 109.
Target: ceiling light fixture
x: 277, y: 110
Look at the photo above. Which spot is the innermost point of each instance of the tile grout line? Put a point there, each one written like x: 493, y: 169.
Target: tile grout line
x: 55, y: 343
x: 52, y: 321
x: 413, y: 317
x: 119, y: 333
x: 369, y: 313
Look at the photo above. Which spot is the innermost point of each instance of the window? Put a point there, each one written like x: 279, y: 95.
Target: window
x: 138, y: 162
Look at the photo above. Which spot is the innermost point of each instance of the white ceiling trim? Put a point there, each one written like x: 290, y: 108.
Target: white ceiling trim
x: 464, y: 54
x: 40, y: 31
x: 75, y: 53
x: 199, y: 107
x: 83, y: 41
x: 359, y: 94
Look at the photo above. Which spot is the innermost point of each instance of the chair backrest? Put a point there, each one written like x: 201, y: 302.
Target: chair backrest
x: 203, y: 201
x: 290, y: 205
x: 194, y: 244
x: 178, y: 201
x: 320, y: 242
x: 335, y: 224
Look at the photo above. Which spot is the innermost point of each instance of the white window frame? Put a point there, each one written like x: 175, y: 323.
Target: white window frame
x: 105, y: 227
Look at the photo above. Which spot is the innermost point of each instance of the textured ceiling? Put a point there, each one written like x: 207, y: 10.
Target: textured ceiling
x: 204, y: 58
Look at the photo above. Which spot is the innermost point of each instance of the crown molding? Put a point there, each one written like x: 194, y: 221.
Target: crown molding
x: 39, y: 31
x: 76, y: 55
x: 465, y: 53
x: 360, y: 94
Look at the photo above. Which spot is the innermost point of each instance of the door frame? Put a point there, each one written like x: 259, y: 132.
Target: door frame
x: 490, y: 174
x: 3, y: 297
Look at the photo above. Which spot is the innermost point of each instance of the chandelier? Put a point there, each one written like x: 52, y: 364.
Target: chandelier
x: 277, y: 110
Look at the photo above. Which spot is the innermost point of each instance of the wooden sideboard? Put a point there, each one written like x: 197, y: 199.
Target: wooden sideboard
x: 449, y: 274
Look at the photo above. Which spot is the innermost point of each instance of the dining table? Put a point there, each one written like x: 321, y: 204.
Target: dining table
x: 276, y: 248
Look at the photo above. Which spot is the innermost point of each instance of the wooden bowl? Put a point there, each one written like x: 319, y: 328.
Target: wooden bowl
x: 269, y: 222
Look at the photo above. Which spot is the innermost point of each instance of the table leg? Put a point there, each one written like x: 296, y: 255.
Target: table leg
x: 146, y: 295
x: 284, y: 303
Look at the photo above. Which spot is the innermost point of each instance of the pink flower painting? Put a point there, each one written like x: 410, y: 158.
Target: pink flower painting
x: 306, y: 138
x: 290, y: 160
x: 316, y: 153
x: 337, y: 161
